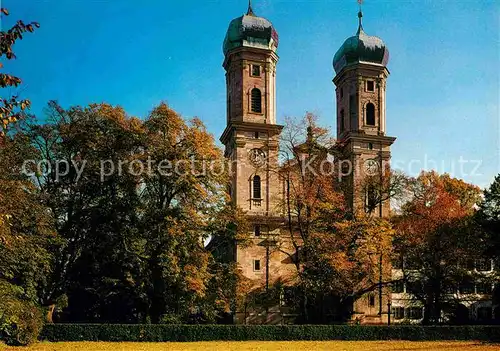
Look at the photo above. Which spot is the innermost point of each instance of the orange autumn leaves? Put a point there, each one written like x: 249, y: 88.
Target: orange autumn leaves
x: 11, y: 108
x: 353, y: 252
x: 435, y: 201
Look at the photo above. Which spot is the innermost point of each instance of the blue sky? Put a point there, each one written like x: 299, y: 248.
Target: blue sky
x: 443, y: 91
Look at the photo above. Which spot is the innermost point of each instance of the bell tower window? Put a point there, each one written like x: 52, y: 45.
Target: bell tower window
x: 370, y: 114
x: 255, y: 71
x: 256, y: 100
x: 256, y: 187
x: 370, y: 85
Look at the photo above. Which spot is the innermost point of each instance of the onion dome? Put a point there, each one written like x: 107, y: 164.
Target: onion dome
x: 250, y: 31
x: 361, y: 48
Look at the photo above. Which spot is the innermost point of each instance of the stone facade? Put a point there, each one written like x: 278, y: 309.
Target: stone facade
x: 251, y: 141
x: 366, y: 146
x: 367, y: 150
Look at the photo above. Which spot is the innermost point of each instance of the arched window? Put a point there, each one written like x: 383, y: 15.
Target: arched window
x: 342, y: 123
x: 370, y: 114
x: 256, y: 100
x: 256, y: 187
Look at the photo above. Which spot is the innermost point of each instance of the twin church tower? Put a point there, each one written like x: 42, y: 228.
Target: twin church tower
x: 251, y: 136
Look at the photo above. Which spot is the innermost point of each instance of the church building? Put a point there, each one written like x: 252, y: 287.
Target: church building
x: 251, y: 140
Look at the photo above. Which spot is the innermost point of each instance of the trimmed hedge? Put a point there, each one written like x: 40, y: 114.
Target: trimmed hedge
x: 163, y: 332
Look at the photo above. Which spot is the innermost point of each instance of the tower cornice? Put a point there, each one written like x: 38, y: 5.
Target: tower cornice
x: 245, y: 50
x: 368, y: 66
x: 354, y: 136
x: 248, y: 126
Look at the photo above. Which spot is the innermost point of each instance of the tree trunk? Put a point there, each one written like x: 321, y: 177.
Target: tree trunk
x: 157, y: 306
x: 50, y: 313
x: 305, y: 312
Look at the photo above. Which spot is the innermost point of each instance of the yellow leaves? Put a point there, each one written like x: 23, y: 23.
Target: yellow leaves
x: 113, y: 113
x: 353, y: 251
x: 223, y: 305
x: 4, y: 223
x: 195, y: 279
x: 7, y: 80
x: 135, y: 125
x: 367, y: 234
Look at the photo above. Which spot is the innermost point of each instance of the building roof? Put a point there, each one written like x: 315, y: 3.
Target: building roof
x: 361, y: 48
x: 251, y: 31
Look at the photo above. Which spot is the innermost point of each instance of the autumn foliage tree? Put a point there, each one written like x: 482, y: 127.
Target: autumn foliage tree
x: 27, y: 236
x: 11, y: 107
x: 94, y: 216
x: 26, y: 230
x: 436, y: 237
x: 178, y: 205
x: 337, y: 258
x: 349, y: 262
x: 134, y: 202
x: 310, y: 201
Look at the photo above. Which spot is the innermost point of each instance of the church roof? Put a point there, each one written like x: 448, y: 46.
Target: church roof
x: 361, y: 48
x: 251, y: 31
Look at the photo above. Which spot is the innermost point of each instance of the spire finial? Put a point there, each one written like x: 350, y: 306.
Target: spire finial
x: 360, y: 16
x: 250, y: 10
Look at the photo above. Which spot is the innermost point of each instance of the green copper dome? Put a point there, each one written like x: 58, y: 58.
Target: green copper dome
x: 361, y: 48
x: 250, y: 31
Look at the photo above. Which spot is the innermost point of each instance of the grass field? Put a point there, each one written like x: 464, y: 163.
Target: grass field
x: 261, y: 345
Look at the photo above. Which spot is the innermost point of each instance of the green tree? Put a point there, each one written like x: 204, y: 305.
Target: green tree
x: 489, y: 214
x: 26, y: 238
x: 94, y: 216
x: 133, y: 214
x: 488, y: 217
x: 178, y: 204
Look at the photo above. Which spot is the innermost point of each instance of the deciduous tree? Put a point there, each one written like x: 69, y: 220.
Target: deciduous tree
x: 135, y: 202
x: 436, y: 237
x: 26, y: 231
x: 11, y: 108
x: 337, y: 258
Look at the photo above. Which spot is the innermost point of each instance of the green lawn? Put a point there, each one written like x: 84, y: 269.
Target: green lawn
x: 260, y: 345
